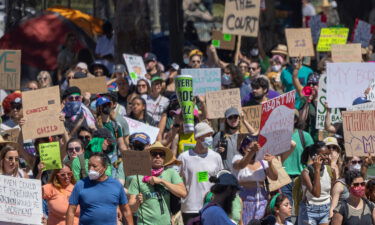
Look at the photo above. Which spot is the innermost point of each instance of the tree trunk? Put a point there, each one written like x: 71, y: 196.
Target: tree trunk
x: 176, y: 30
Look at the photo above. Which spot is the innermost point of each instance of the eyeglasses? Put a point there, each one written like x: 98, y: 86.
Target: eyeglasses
x: 76, y: 149
x: 65, y: 174
x: 142, y: 85
x: 155, y: 154
x: 196, y: 61
x: 84, y: 137
x: 74, y: 98
x: 253, y: 68
x: 234, y: 117
x: 359, y: 184
x: 356, y: 162
x: 11, y: 159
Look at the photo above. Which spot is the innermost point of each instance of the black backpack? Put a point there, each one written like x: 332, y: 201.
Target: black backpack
x: 198, y: 219
x: 366, y: 201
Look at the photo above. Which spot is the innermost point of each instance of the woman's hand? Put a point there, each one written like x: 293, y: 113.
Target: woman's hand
x: 317, y: 162
x: 268, y: 157
x: 41, y: 166
x: 139, y: 198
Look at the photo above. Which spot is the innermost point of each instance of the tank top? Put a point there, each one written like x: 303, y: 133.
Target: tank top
x: 325, y: 190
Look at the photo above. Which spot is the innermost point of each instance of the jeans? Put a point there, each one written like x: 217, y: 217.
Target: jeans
x: 313, y: 214
x: 187, y: 216
x: 287, y: 190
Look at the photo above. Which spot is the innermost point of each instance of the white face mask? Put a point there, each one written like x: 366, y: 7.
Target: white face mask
x: 207, y: 142
x: 276, y: 68
x: 186, y: 60
x: 93, y: 175
x: 355, y: 167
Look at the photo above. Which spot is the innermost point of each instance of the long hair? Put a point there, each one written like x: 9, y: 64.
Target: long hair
x: 4, y: 151
x: 131, y: 115
x: 237, y: 76
x: 55, y: 181
x: 147, y: 84
x: 99, y: 120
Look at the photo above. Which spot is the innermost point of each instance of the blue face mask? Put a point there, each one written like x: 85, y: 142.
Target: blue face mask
x: 207, y: 142
x: 226, y: 79
x: 72, y: 108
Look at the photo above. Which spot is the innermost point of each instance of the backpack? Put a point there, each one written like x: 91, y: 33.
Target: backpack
x: 367, y: 202
x: 198, y: 219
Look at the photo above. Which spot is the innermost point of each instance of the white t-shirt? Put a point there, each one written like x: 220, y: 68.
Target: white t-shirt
x: 156, y: 107
x: 245, y: 174
x: 196, y: 170
x: 308, y: 10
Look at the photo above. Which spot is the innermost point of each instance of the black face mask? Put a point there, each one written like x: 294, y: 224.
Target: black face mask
x: 106, y: 110
x: 85, y: 142
x: 138, y: 146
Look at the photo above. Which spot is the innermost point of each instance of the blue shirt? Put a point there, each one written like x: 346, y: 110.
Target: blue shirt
x: 215, y: 215
x: 98, y: 201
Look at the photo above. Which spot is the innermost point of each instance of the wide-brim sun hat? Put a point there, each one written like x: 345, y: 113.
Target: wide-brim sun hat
x: 159, y: 146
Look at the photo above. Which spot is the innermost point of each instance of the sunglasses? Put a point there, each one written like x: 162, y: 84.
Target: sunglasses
x: 253, y: 68
x: 359, y: 184
x: 142, y: 85
x: 11, y: 159
x: 196, y: 61
x: 76, y: 149
x: 43, y: 78
x: 155, y: 154
x: 17, y: 106
x: 356, y: 162
x: 65, y: 174
x: 332, y: 147
x: 84, y: 137
x: 235, y: 117
x: 74, y: 98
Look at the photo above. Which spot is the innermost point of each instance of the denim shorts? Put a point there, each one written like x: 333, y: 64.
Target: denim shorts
x: 313, y: 214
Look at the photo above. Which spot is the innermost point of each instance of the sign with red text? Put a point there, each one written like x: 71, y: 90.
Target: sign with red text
x: 136, y: 126
x: 41, y: 110
x: 241, y: 17
x: 276, y: 125
x: 359, y: 133
x: 10, y: 69
x: 299, y: 42
x: 347, y: 81
x: 219, y: 101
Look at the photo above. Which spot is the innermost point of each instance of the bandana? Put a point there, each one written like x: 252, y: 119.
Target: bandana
x: 154, y: 173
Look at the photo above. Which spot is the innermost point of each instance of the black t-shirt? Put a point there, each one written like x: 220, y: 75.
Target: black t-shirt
x: 353, y: 216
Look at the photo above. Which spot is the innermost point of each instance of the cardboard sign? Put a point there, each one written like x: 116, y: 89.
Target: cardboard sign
x: 371, y: 95
x: 321, y: 110
x: 364, y: 106
x: 50, y: 155
x: 316, y: 24
x: 96, y: 85
x: 359, y: 130
x: 41, y: 109
x: 347, y: 53
x: 136, y: 126
x: 223, y: 41
x: 10, y: 69
x: 276, y: 125
x: 347, y: 81
x: 137, y: 163
x: 20, y: 200
x: 135, y: 66
x: 299, y: 42
x: 363, y: 33
x: 282, y: 176
x: 219, y: 101
x: 204, y: 80
x: 11, y: 134
x: 252, y: 115
x: 332, y: 36
x: 241, y: 17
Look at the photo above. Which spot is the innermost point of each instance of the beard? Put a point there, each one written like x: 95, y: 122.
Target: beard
x: 228, y: 203
x: 258, y: 97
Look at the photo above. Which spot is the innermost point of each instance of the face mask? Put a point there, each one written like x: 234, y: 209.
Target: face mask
x: 226, y: 79
x: 254, y: 52
x: 357, y: 191
x: 138, y: 146
x: 72, y: 108
x: 207, y: 142
x: 106, y: 110
x: 276, y: 68
x: 186, y: 60
x: 93, y: 175
x: 355, y: 167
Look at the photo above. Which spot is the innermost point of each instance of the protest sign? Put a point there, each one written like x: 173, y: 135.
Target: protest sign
x: 332, y: 36
x: 347, y: 81
x: 10, y: 69
x: 219, y: 101
x: 136, y: 126
x: 321, y: 110
x: 135, y: 66
x: 137, y: 163
x: 347, y: 53
x: 359, y: 130
x: 41, y: 110
x: 204, y: 80
x: 252, y: 115
x: 371, y: 95
x: 299, y: 42
x: 184, y: 90
x: 20, y: 200
x: 316, y: 23
x: 364, y: 106
x: 276, y: 125
x: 223, y: 41
x: 94, y: 85
x: 241, y: 17
x: 362, y: 33
x: 50, y: 155
x: 11, y: 134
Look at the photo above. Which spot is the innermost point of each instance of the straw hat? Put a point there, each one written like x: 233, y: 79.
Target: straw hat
x: 168, y: 153
x: 280, y: 49
x: 4, y: 142
x: 326, y: 3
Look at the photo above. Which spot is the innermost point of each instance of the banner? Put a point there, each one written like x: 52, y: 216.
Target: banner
x: 204, y: 80
x: 364, y: 106
x: 41, y: 110
x: 50, y: 155
x: 363, y: 33
x: 316, y: 23
x: 332, y: 36
x: 137, y: 163
x: 241, y: 17
x: 135, y: 66
x: 20, y: 200
x: 321, y: 110
x: 276, y: 125
x: 252, y: 115
x: 347, y: 53
x: 95, y: 85
x: 299, y: 42
x: 359, y: 130
x: 184, y: 90
x: 223, y: 41
x: 347, y: 81
x: 136, y: 126
x: 219, y: 101
x: 10, y: 69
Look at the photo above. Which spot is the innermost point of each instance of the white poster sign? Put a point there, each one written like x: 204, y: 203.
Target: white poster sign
x: 20, y: 200
x: 136, y: 126
x: 371, y: 94
x: 204, y: 80
x: 135, y: 66
x: 364, y: 106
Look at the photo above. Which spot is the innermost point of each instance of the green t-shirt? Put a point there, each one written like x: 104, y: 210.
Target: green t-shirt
x: 292, y: 164
x: 150, y: 208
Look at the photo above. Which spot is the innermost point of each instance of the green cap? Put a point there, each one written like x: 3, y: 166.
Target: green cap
x: 156, y: 78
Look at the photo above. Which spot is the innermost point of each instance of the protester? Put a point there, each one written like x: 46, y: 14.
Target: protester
x: 74, y: 149
x: 123, y: 91
x: 281, y: 208
x: 260, y: 92
x: 84, y: 135
x: 139, y: 141
x: 151, y: 64
x: 9, y: 162
x: 195, y: 59
x: 100, y: 68
x: 44, y: 79
x: 370, y: 190
x: 237, y: 80
x: 32, y: 85
x: 143, y: 87
x: 139, y: 111
x: 12, y: 106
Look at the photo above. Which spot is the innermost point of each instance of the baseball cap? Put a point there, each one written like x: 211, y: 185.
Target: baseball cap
x: 156, y: 78
x: 102, y: 100
x: 140, y: 137
x: 227, y: 179
x: 119, y: 68
x: 332, y: 141
x: 360, y: 100
x: 149, y: 56
x: 231, y: 112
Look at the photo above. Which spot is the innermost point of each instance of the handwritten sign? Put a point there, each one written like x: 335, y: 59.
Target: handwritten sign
x: 223, y: 41
x: 347, y: 81
x: 241, y: 17
x: 135, y: 66
x: 359, y: 133
x: 364, y: 106
x: 321, y: 110
x: 10, y: 69
x: 41, y: 110
x: 332, y: 36
x: 363, y: 33
x: 252, y: 115
x: 276, y: 125
x: 11, y: 134
x: 204, y: 80
x: 96, y: 85
x: 316, y: 24
x: 219, y: 101
x: 299, y: 42
x: 137, y: 163
x: 20, y: 200
x: 50, y: 155
x: 136, y: 126
x: 347, y: 53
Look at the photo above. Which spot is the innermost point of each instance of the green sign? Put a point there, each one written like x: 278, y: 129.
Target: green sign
x: 50, y: 155
x: 202, y: 176
x: 227, y: 37
x: 184, y: 90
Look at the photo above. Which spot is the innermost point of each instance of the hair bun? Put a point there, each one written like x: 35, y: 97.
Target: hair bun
x: 214, y: 179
